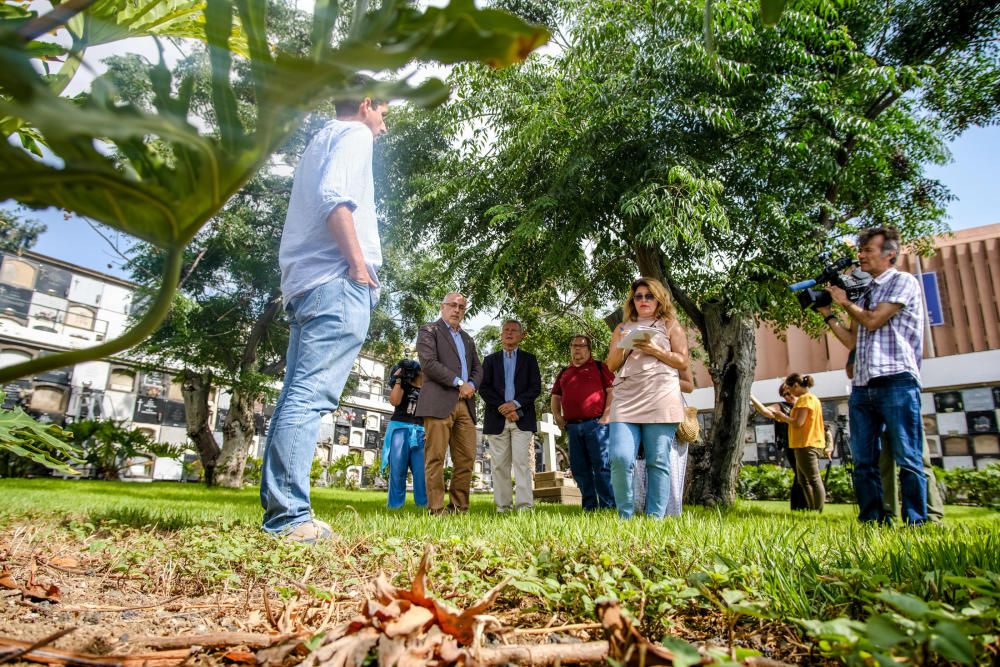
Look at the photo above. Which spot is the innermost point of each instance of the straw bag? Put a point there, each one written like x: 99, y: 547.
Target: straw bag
x: 689, y: 430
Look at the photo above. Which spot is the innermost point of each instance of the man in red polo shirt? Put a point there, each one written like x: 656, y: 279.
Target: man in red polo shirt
x: 579, y: 399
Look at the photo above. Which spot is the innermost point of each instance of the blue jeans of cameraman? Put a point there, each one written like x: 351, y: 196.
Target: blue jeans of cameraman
x: 891, y: 403
x: 327, y: 326
x: 590, y: 463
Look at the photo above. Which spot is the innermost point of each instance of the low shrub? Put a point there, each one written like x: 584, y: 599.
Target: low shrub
x: 765, y: 482
x: 839, y: 487
x: 969, y: 486
x: 961, y: 486
x: 251, y: 471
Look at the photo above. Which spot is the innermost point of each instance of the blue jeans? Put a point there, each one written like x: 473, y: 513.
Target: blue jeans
x: 403, y: 457
x: 590, y: 463
x: 327, y: 326
x: 657, y: 440
x: 891, y: 403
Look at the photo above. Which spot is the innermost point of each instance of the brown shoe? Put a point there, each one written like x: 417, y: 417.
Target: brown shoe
x: 310, y: 532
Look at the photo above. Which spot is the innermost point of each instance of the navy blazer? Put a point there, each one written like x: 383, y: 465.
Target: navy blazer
x: 527, y: 387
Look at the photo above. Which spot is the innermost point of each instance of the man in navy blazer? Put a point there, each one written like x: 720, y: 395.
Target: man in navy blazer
x: 511, y: 383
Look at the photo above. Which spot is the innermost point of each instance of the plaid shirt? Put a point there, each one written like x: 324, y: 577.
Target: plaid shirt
x: 896, y: 346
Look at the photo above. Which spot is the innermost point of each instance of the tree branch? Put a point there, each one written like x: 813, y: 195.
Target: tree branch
x: 194, y: 265
x: 264, y: 320
x: 58, y: 17
x: 687, y: 304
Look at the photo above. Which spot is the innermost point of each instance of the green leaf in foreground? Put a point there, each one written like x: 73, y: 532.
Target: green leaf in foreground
x: 952, y: 642
x: 685, y: 654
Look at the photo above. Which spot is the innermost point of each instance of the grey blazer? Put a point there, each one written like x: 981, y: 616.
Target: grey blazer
x: 440, y: 364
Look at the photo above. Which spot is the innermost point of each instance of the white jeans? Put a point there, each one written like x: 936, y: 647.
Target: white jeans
x: 678, y: 469
x: 512, y: 449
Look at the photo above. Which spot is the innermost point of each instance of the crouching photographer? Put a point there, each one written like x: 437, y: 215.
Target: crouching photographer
x: 886, y: 327
x: 403, y: 449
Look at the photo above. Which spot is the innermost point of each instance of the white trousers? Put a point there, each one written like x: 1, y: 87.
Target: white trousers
x: 512, y: 450
x: 678, y: 470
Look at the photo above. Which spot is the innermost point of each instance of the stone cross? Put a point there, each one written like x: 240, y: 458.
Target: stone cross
x: 547, y: 432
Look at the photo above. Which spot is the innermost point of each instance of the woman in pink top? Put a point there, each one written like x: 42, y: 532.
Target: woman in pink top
x: 646, y: 404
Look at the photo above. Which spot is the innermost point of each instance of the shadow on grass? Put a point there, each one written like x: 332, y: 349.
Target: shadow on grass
x: 832, y: 512
x: 137, y: 517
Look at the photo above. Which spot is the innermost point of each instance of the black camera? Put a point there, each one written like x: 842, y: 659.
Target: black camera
x: 408, y: 369
x: 856, y: 283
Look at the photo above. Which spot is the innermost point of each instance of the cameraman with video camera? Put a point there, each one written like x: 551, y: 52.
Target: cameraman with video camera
x: 887, y: 329
x: 403, y: 448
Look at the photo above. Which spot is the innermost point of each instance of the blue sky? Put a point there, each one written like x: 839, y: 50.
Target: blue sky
x: 973, y: 176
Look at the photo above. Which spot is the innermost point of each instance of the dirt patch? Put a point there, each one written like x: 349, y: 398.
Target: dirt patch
x: 112, y: 607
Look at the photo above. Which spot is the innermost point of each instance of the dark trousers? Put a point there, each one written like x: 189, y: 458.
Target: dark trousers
x: 590, y: 463
x: 798, y: 496
x: 807, y: 470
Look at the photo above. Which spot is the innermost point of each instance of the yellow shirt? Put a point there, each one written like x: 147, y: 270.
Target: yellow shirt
x: 811, y: 433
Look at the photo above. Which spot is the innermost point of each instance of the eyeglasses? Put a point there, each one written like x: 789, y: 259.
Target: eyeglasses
x: 643, y: 297
x: 454, y: 304
x: 579, y: 345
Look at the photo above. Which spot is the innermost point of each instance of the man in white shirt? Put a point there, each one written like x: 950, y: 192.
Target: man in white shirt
x: 329, y: 256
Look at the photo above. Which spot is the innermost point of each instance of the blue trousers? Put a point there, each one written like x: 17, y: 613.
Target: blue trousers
x: 891, y: 403
x: 403, y: 458
x: 327, y: 326
x: 657, y: 440
x: 590, y: 463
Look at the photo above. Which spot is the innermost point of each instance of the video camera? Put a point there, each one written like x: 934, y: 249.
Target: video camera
x: 856, y: 283
x: 409, y: 369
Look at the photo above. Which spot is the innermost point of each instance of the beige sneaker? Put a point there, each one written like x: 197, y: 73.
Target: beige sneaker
x: 309, y: 532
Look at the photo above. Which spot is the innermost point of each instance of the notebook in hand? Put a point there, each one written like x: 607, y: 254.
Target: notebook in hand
x: 636, y: 335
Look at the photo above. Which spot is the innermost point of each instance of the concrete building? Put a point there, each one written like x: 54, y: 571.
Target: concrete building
x: 48, y: 305
x: 961, y: 368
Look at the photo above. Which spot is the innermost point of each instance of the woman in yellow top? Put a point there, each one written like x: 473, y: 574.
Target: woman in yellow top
x: 806, y: 437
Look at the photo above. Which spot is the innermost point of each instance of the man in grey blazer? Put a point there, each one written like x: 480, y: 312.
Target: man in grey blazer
x: 447, y: 402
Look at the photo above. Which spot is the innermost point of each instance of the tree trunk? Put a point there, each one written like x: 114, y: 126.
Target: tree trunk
x: 196, y: 388
x: 237, y: 439
x: 238, y: 429
x: 715, y: 466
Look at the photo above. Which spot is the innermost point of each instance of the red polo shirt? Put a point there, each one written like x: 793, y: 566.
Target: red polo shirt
x: 582, y: 389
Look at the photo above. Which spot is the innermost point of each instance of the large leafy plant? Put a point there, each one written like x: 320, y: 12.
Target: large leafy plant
x: 45, y: 444
x: 154, y: 174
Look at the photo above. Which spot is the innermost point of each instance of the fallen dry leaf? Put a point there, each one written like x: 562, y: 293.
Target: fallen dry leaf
x: 416, y: 618
x: 7, y: 581
x: 64, y: 561
x: 39, y: 592
x: 246, y: 657
x: 276, y: 654
x: 626, y: 645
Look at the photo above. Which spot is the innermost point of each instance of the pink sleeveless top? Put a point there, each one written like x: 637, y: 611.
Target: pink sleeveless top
x: 646, y: 390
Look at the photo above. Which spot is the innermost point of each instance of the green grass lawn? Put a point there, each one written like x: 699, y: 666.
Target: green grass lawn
x: 785, y: 566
